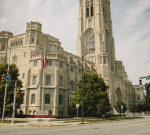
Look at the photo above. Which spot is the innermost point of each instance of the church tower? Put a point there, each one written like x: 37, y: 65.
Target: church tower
x: 95, y: 34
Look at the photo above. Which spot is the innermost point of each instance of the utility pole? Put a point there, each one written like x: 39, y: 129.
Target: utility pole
x: 5, y: 96
x: 82, y: 94
x: 14, y: 104
x: 82, y: 90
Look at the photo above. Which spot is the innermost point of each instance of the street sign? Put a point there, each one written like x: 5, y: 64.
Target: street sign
x: 148, y: 77
x: 8, y: 78
x: 77, y: 105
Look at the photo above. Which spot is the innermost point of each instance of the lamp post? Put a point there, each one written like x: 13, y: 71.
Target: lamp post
x: 91, y: 49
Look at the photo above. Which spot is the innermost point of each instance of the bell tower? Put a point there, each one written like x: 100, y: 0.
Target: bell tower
x: 95, y: 34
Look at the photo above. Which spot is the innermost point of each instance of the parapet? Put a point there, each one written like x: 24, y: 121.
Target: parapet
x: 33, y: 26
x: 6, y: 34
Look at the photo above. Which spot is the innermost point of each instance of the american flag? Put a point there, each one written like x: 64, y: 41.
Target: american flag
x: 44, y: 60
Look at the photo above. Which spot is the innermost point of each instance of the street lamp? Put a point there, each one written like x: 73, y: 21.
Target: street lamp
x: 91, y: 49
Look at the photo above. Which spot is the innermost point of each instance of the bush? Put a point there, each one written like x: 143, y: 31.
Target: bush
x: 119, y: 109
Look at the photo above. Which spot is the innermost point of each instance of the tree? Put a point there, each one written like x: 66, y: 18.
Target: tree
x: 14, y: 72
x: 95, y: 95
x: 119, y: 108
x: 103, y: 105
x: 147, y: 89
x: 133, y: 108
x: 141, y: 108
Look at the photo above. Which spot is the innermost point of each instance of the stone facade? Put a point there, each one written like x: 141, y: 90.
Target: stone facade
x: 61, y: 75
x: 139, y: 95
x: 95, y: 42
x: 4, y: 37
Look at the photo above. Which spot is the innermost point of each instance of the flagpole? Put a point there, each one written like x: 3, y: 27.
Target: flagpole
x: 43, y: 79
x: 43, y: 91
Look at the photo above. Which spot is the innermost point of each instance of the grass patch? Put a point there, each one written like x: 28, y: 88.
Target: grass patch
x: 94, y: 120
x: 100, y: 120
x: 90, y: 120
x: 10, y: 121
x: 72, y: 121
x: 134, y: 118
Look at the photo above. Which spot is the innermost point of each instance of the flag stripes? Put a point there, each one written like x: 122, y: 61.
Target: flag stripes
x: 44, y: 61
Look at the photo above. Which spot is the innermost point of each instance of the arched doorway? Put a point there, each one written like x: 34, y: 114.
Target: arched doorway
x: 118, y: 95
x: 34, y: 112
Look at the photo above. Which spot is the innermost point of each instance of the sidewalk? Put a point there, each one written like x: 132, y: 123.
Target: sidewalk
x: 40, y: 122
x: 48, y: 122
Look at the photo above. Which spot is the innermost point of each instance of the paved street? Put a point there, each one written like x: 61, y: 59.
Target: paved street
x: 126, y: 127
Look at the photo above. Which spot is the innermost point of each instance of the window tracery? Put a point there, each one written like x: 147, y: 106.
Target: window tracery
x: 72, y: 86
x: 107, y: 40
x: 89, y: 41
x: 89, y: 8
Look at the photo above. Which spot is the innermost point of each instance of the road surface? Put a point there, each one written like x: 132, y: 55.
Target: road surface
x: 125, y: 127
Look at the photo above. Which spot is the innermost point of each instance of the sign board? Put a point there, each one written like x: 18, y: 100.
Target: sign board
x: 148, y: 77
x: 44, y: 113
x: 77, y: 105
x: 8, y: 78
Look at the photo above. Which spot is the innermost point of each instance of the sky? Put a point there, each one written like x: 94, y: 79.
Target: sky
x: 59, y: 18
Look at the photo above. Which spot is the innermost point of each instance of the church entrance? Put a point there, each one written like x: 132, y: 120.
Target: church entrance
x: 118, y: 95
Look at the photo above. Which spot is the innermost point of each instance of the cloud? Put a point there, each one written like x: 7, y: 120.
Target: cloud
x: 131, y: 21
x: 58, y: 18
x: 132, y: 36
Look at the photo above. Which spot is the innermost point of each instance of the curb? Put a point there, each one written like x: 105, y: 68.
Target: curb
x: 2, y: 124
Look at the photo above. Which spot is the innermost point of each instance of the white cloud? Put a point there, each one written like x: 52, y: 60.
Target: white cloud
x: 131, y: 36
x: 135, y: 11
x: 131, y: 21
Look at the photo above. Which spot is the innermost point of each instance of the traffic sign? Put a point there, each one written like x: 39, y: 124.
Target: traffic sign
x: 77, y: 105
x: 148, y: 77
x: 8, y: 78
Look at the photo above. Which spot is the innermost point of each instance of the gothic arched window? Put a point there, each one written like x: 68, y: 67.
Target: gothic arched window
x: 87, y: 8
x: 91, y: 7
x: 107, y: 40
x: 72, y: 86
x: 89, y: 41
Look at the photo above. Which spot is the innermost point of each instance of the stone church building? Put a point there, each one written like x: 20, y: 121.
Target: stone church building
x: 95, y: 42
